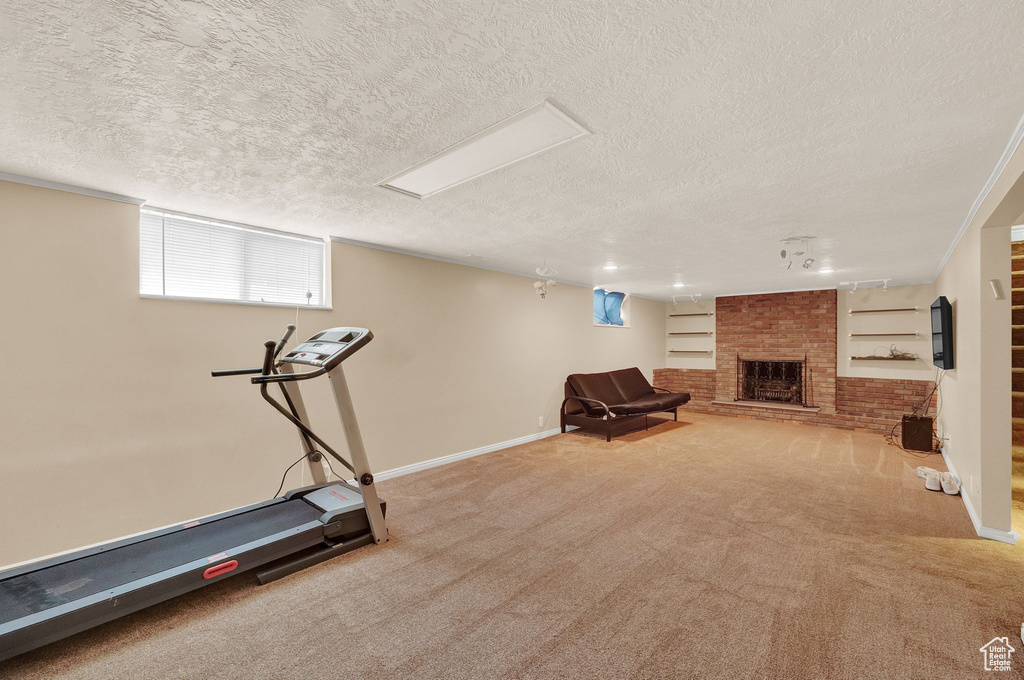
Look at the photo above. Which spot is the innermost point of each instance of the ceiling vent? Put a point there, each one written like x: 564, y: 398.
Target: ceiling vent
x: 525, y: 134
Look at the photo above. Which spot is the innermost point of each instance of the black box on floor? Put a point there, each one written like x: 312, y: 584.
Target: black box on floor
x: 917, y: 433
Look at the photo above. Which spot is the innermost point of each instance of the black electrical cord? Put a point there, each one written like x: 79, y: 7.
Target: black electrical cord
x: 939, y: 375
x: 286, y: 471
x: 289, y: 468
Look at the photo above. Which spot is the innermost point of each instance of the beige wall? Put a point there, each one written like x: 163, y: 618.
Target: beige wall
x: 996, y: 443
x: 975, y: 395
x: 110, y: 423
x: 960, y: 391
x: 975, y: 412
x: 690, y: 324
x: 919, y: 322
x: 475, y: 354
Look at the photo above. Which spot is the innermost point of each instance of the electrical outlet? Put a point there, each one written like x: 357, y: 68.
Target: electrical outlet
x: 540, y: 421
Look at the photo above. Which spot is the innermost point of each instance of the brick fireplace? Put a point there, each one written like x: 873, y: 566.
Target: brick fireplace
x: 791, y: 327
x: 778, y: 327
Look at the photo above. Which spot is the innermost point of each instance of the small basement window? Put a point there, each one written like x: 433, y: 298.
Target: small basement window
x: 182, y: 257
x: 611, y: 308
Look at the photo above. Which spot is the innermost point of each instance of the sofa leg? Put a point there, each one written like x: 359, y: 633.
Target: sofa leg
x: 675, y: 414
x: 562, y: 418
x: 608, y: 432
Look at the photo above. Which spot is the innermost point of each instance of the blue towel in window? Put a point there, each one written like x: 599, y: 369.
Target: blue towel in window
x: 608, y: 307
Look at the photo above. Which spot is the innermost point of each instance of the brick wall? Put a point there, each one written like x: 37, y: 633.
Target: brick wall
x: 783, y: 326
x: 699, y: 382
x: 864, y: 404
x: 881, y: 397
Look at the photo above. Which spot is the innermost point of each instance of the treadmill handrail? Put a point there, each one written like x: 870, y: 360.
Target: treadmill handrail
x: 303, y: 428
x: 263, y: 377
x: 287, y: 377
x: 289, y: 329
x: 235, y: 371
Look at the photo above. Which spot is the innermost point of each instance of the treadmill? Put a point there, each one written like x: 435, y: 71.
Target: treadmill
x: 51, y: 599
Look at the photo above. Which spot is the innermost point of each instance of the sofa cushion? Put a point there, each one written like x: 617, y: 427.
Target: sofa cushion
x: 598, y: 386
x: 631, y: 383
x: 659, y: 401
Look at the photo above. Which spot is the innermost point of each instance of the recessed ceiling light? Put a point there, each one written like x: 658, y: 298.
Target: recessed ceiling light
x: 527, y: 133
x: 826, y: 271
x: 610, y: 266
x: 678, y: 284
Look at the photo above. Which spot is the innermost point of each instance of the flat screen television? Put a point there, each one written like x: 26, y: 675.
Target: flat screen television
x: 942, y: 333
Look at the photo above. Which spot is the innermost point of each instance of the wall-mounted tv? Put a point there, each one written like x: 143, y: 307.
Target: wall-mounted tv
x: 942, y: 333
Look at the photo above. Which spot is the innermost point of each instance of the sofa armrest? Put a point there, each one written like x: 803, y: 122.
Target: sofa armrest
x: 607, y: 413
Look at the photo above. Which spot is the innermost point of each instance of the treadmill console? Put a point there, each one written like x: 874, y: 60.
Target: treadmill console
x: 329, y: 348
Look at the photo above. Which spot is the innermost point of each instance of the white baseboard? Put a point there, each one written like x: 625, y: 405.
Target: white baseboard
x: 451, y: 458
x: 983, y: 531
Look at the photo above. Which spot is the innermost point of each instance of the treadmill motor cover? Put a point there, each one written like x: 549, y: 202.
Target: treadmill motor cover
x: 334, y: 498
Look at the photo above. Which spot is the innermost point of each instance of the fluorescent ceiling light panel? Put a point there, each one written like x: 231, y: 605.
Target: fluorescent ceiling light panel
x: 525, y: 134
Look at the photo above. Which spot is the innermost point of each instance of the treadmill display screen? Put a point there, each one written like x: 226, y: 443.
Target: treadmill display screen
x: 328, y: 348
x: 313, y: 352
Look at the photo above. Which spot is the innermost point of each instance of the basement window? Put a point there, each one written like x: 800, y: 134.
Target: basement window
x: 183, y: 257
x: 611, y: 308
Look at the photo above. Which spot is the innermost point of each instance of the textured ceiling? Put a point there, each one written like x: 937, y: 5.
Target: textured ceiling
x: 719, y: 128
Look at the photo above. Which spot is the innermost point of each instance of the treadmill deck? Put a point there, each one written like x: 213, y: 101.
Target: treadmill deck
x: 49, y: 587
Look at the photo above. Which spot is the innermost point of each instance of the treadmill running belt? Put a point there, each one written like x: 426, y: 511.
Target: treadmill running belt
x: 69, y: 581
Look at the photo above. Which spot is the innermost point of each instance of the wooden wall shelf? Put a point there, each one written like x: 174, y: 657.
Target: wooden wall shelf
x: 695, y: 333
x: 695, y: 314
x: 883, y: 358
x: 884, y: 335
x: 690, y: 351
x: 875, y: 311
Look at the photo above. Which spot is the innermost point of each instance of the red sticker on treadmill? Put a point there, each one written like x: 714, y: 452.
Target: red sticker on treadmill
x: 216, y: 557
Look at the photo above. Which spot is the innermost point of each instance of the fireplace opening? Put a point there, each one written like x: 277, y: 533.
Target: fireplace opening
x: 770, y: 380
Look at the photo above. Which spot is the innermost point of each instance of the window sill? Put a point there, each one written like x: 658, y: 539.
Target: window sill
x: 247, y: 303
x: 609, y: 325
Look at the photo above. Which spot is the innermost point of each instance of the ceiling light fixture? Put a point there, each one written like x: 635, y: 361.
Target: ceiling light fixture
x: 609, y: 267
x: 527, y: 133
x: 542, y: 287
x: 678, y: 284
x: 546, y: 271
x: 796, y: 246
x: 856, y: 284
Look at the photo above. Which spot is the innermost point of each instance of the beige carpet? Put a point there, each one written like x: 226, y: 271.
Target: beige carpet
x: 713, y: 548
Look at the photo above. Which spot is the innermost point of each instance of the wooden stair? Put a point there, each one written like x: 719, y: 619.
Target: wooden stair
x: 1017, y: 302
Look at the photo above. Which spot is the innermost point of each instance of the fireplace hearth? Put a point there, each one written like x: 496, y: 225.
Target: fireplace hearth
x: 771, y: 380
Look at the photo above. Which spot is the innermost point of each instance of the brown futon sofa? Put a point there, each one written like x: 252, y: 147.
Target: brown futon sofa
x: 604, y: 400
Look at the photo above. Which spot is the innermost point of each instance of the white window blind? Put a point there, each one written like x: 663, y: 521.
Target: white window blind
x: 191, y: 257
